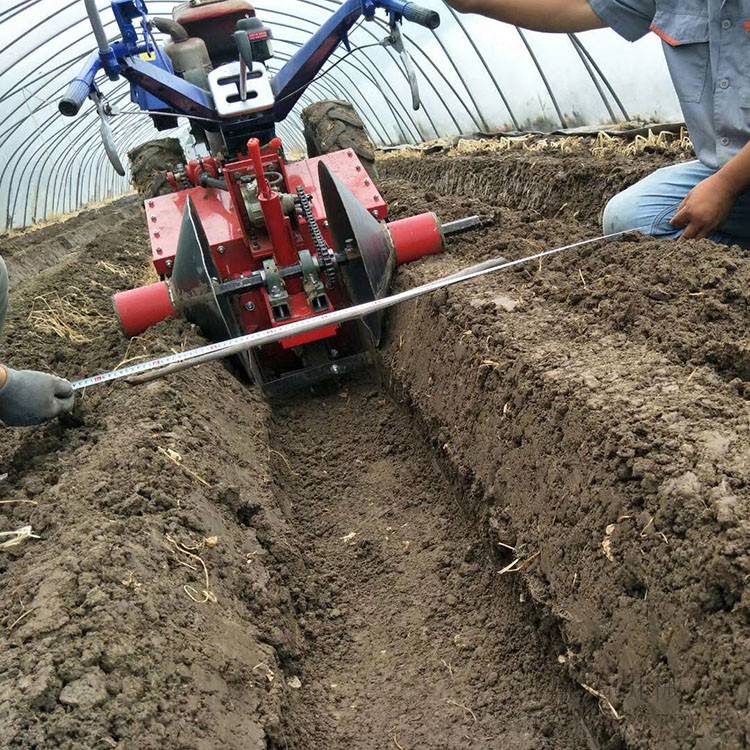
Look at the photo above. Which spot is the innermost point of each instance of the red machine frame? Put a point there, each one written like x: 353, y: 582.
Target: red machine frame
x: 239, y: 248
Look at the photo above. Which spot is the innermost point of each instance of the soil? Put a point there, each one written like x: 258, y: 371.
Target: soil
x: 413, y: 640
x: 595, y: 409
x: 575, y: 185
x: 103, y: 645
x: 531, y: 531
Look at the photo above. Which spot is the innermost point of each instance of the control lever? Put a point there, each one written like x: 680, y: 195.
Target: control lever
x: 395, y: 40
x: 253, y: 41
x: 246, y: 59
x: 104, y: 111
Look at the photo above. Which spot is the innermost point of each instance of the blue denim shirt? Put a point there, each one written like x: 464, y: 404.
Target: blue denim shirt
x: 707, y: 46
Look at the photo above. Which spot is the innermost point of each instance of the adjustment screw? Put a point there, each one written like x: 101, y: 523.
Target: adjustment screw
x: 221, y: 250
x: 249, y: 306
x: 169, y: 264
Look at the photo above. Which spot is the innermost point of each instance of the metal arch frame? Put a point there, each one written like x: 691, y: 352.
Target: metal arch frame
x: 90, y: 182
x: 586, y: 65
x: 8, y: 14
x: 30, y: 30
x: 501, y: 94
x: 543, y: 76
x: 580, y: 47
x: 56, y: 138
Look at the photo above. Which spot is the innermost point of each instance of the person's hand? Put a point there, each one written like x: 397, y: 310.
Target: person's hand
x: 705, y: 208
x: 29, y: 397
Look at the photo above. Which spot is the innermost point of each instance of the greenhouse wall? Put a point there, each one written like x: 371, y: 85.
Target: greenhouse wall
x: 475, y: 76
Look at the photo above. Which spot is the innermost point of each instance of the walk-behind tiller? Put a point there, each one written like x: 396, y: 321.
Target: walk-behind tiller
x: 247, y: 241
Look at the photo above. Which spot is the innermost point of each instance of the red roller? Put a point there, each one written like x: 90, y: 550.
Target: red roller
x: 417, y: 236
x: 139, y: 309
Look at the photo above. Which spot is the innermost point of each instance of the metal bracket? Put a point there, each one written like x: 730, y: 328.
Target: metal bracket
x: 277, y: 293
x: 314, y: 287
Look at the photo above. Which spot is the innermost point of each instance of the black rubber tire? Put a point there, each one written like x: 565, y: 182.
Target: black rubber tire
x: 149, y: 164
x: 333, y: 126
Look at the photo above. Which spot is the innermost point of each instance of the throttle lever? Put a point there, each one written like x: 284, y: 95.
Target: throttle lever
x: 395, y: 40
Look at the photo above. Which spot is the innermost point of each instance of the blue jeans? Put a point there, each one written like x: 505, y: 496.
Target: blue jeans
x: 650, y: 204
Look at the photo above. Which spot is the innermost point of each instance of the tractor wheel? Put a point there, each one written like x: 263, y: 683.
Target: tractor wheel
x: 149, y: 163
x: 332, y: 126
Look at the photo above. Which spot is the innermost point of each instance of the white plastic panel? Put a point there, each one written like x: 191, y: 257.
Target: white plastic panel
x: 224, y: 82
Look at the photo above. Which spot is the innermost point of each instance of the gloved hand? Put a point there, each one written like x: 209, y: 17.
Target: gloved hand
x: 30, y: 397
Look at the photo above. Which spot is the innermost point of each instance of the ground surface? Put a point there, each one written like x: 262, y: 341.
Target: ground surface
x: 532, y: 534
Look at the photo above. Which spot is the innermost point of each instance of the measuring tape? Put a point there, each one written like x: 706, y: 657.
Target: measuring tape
x: 144, y: 367
x: 182, y: 360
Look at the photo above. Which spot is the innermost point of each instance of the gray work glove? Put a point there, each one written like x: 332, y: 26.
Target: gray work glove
x: 29, y: 397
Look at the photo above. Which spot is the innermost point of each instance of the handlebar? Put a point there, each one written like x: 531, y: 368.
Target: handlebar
x: 430, y: 19
x: 303, y: 65
x: 79, y: 89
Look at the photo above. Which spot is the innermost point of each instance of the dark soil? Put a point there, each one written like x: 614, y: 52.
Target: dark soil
x: 32, y: 252
x: 533, y: 535
x: 572, y: 186
x: 595, y: 409
x: 102, y: 645
x: 412, y: 638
